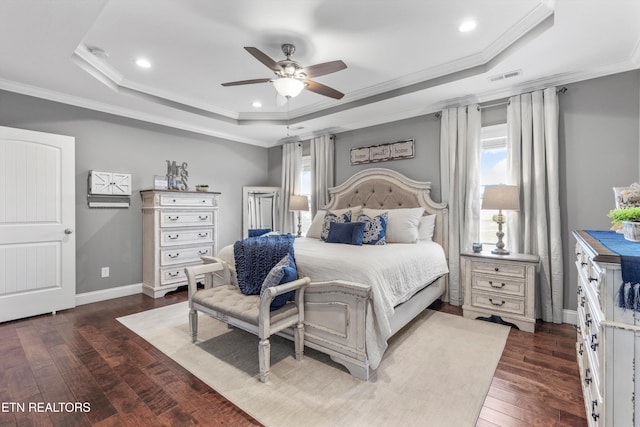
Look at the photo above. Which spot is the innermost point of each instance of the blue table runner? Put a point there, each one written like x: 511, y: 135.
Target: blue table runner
x: 629, y: 252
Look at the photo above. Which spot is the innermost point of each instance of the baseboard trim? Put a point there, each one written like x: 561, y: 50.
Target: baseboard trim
x: 570, y: 317
x: 107, y: 294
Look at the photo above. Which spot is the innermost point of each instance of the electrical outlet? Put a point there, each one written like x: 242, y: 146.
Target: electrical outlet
x: 105, y: 272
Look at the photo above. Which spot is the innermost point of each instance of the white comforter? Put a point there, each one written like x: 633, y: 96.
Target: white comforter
x: 395, y: 272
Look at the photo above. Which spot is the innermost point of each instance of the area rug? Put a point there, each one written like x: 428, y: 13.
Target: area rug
x: 436, y: 371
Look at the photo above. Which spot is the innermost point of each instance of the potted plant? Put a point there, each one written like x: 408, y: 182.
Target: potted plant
x: 630, y: 219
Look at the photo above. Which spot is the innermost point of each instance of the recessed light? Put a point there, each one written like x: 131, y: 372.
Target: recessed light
x: 143, y: 63
x: 257, y: 104
x: 467, y: 26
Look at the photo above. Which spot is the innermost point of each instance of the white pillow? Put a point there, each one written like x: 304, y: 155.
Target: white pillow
x: 426, y: 227
x: 402, y: 224
x: 315, y: 229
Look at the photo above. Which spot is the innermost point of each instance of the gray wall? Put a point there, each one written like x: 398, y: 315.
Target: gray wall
x: 599, y: 134
x: 599, y: 137
x: 425, y: 166
x: 113, y: 237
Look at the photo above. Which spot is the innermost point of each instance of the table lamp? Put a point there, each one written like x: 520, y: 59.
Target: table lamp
x: 501, y: 197
x: 299, y: 204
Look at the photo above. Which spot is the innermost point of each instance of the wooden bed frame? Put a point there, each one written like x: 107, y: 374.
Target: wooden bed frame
x: 336, y: 311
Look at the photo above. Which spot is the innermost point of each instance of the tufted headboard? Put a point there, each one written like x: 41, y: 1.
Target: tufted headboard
x: 380, y: 188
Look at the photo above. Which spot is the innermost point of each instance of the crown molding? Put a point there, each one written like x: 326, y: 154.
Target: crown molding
x: 50, y: 95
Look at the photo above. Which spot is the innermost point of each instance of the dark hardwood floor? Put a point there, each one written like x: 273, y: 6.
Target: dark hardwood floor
x: 85, y: 355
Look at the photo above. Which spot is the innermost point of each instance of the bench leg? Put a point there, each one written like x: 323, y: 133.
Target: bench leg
x: 193, y: 324
x: 299, y: 340
x: 264, y: 355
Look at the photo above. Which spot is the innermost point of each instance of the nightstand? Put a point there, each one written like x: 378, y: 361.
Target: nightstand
x: 500, y: 285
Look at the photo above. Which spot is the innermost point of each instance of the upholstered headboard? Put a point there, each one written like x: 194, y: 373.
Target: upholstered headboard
x: 380, y: 188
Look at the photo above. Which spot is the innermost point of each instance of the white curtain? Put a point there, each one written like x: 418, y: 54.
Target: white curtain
x: 460, y: 186
x: 291, y: 164
x: 322, y: 160
x: 532, y: 126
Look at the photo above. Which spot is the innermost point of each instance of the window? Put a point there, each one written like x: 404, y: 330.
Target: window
x: 305, y: 190
x: 493, y: 170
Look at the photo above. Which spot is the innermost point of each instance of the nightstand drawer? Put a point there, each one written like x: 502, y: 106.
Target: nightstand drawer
x: 182, y: 255
x: 497, y: 284
x: 186, y: 237
x: 498, y: 303
x: 498, y: 268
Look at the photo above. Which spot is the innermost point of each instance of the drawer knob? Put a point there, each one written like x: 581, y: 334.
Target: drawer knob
x: 583, y: 263
x: 579, y: 290
x: 176, y: 255
x: 206, y: 251
x: 581, y: 349
x: 174, y: 274
x: 174, y: 237
x: 497, y: 268
x: 587, y: 378
x: 587, y: 321
x: 500, y: 286
x: 203, y: 218
x: 497, y: 304
x: 593, y: 279
x: 173, y: 218
x: 594, y: 342
x: 203, y: 234
x: 582, y: 301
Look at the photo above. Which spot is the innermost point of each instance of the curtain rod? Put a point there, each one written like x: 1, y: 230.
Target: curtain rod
x: 560, y: 91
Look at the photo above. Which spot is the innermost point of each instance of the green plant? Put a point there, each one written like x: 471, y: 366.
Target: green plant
x: 625, y: 214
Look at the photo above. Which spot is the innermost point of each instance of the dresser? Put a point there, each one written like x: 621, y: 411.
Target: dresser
x: 179, y: 227
x: 500, y: 285
x: 607, y: 338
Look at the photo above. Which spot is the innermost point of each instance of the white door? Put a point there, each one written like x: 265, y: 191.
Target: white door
x: 37, y: 222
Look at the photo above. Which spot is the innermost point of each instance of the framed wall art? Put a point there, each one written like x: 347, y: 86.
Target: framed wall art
x: 404, y: 149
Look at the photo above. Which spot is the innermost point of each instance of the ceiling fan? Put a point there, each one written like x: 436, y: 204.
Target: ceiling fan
x: 291, y: 78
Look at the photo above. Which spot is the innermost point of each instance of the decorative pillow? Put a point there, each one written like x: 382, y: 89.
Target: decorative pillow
x: 350, y: 233
x: 256, y: 256
x: 402, y: 224
x: 283, y: 272
x: 255, y: 232
x: 329, y: 218
x: 426, y: 227
x: 375, y: 229
x: 315, y: 229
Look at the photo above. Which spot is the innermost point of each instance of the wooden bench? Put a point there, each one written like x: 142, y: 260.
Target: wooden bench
x: 224, y: 301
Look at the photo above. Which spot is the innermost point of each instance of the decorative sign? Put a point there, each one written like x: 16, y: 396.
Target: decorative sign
x: 380, y: 153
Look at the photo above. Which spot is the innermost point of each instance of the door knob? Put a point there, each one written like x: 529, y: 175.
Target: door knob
x: 68, y: 231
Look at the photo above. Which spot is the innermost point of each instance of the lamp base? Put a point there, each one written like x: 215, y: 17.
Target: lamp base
x: 500, y: 251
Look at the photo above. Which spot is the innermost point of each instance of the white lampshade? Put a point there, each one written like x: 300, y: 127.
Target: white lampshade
x: 504, y: 197
x: 288, y: 87
x: 298, y: 203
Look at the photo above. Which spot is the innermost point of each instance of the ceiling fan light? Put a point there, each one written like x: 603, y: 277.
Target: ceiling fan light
x: 288, y: 86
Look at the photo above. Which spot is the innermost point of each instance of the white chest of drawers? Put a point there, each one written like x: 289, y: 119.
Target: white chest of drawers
x: 607, y: 340
x: 178, y: 229
x: 500, y: 285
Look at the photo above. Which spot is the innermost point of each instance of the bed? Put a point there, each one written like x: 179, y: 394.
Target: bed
x: 360, y: 296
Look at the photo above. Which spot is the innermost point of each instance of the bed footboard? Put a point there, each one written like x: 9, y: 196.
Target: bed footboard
x: 335, y: 323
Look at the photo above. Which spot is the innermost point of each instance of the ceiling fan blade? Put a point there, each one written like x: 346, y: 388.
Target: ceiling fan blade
x: 324, y: 68
x: 264, y: 58
x: 321, y: 89
x: 246, y: 82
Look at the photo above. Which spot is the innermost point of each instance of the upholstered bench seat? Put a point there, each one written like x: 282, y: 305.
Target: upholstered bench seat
x: 224, y: 301
x: 227, y: 299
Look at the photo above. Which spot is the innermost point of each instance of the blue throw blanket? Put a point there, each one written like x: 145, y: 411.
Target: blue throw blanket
x: 629, y: 292
x: 256, y: 256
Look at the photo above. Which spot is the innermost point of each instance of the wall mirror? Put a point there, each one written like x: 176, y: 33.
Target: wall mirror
x: 260, y: 208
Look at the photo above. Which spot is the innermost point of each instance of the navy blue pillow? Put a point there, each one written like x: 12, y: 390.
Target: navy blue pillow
x: 290, y: 274
x: 256, y: 256
x: 350, y: 233
x: 255, y: 232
